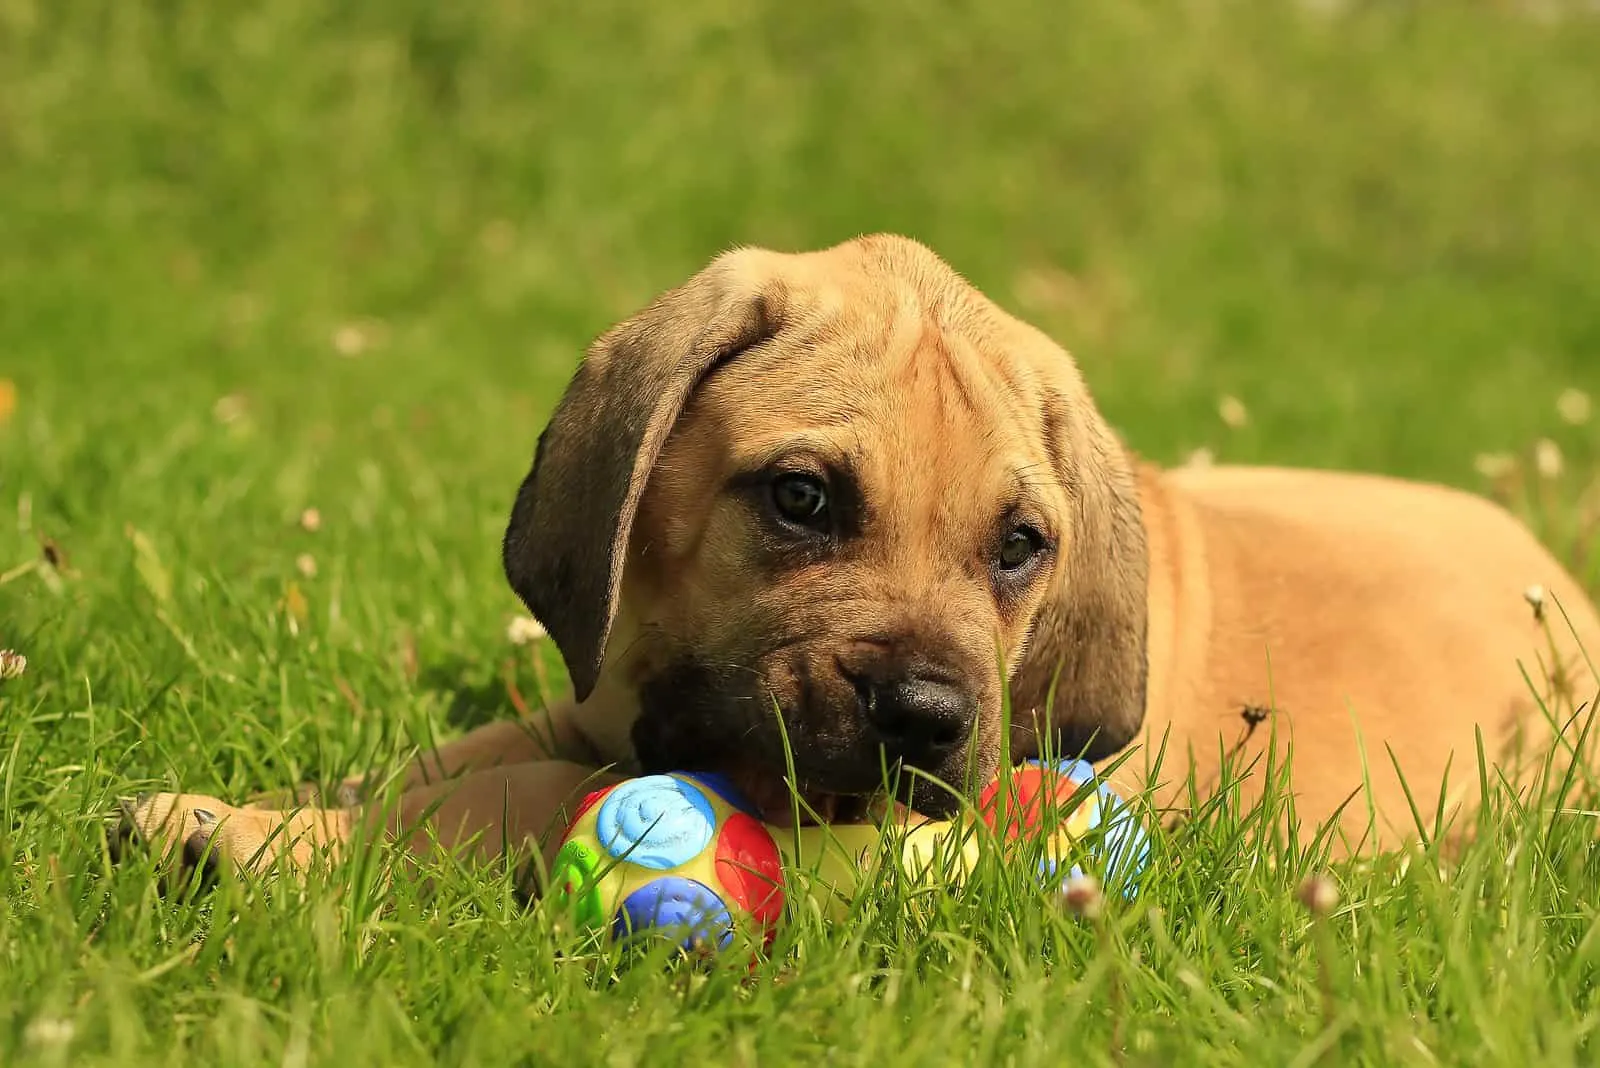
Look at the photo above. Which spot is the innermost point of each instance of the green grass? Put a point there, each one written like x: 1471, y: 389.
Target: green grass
x: 1376, y: 229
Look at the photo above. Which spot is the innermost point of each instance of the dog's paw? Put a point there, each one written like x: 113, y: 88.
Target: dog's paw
x: 193, y: 831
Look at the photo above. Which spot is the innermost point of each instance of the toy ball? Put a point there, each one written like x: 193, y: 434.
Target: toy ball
x: 686, y: 853
x: 1017, y: 807
x: 670, y: 852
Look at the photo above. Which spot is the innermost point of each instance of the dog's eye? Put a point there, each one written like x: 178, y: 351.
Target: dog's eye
x: 801, y: 499
x: 1019, y: 546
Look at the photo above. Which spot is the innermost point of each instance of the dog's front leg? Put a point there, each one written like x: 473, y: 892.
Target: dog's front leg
x: 548, y: 734
x: 477, y: 816
x: 545, y: 736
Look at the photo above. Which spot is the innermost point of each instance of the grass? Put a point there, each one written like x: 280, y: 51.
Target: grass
x: 260, y: 259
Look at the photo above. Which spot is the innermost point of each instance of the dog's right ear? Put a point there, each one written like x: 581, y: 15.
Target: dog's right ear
x: 568, y: 535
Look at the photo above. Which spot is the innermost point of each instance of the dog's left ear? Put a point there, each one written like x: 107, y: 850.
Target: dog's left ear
x: 568, y: 535
x: 1090, y: 639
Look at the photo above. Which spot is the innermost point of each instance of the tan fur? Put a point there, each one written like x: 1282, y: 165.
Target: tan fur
x: 1375, y: 616
x: 1370, y: 615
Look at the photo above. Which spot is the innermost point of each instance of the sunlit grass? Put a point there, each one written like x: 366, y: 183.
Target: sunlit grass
x: 343, y: 257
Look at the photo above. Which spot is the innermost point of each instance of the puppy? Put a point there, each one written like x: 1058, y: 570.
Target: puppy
x: 831, y: 508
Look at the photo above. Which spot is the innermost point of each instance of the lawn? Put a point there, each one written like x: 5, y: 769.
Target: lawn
x: 262, y: 259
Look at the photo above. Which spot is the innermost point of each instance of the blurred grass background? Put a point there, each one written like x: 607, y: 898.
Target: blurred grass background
x: 256, y: 259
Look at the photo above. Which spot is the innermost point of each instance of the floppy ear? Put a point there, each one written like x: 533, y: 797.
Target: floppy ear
x: 568, y: 534
x: 1090, y: 640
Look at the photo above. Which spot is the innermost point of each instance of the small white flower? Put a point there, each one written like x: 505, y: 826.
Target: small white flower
x: 306, y: 564
x: 49, y: 1031
x: 1547, y: 458
x: 230, y: 408
x: 523, y: 630
x: 12, y: 664
x: 1083, y: 897
x: 311, y: 520
x: 1233, y: 412
x: 1319, y: 894
x: 1534, y: 595
x: 1574, y: 406
x: 1495, y: 465
x: 351, y: 339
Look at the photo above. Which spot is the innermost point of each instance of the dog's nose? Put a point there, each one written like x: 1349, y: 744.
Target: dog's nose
x: 917, y: 718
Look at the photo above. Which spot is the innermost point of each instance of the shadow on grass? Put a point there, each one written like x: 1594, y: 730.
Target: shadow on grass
x: 522, y: 685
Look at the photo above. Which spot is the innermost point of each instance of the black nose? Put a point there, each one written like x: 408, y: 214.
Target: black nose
x: 915, y: 718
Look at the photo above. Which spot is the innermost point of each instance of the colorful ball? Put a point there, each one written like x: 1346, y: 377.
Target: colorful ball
x: 686, y: 855
x: 678, y: 854
x: 1021, y: 808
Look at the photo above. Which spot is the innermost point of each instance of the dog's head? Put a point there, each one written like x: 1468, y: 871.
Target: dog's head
x: 833, y: 503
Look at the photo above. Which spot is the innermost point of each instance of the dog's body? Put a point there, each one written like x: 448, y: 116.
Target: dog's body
x: 845, y: 491
x: 1384, y: 623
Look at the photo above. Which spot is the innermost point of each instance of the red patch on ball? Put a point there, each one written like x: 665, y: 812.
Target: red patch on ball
x: 1027, y: 794
x: 750, y: 869
x: 588, y: 802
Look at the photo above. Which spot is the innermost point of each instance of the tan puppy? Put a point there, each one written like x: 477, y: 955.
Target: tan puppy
x: 838, y: 501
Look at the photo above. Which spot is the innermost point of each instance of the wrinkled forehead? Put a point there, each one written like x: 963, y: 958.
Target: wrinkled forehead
x: 890, y: 387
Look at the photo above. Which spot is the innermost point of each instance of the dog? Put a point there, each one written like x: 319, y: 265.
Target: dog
x: 838, y: 511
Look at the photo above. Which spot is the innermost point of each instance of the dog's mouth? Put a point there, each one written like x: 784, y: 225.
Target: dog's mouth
x: 689, y: 714
x: 781, y: 806
x: 813, y: 803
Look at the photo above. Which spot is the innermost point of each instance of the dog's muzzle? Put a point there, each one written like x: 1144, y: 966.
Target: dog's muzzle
x: 918, y: 721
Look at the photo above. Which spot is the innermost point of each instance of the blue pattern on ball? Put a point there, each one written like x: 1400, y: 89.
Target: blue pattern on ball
x: 1126, y: 843
x: 655, y: 822
x: 677, y: 903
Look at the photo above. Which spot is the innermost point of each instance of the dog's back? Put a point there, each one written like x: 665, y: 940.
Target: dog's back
x: 1376, y: 616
